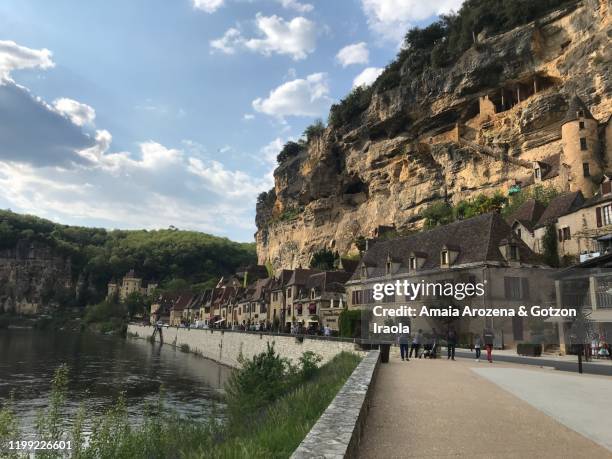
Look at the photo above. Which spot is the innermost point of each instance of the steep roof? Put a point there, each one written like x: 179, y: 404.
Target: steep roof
x: 300, y: 276
x: 576, y: 104
x: 476, y: 240
x: 560, y: 205
x: 553, y: 163
x: 348, y: 265
x: 328, y: 280
x: 527, y: 214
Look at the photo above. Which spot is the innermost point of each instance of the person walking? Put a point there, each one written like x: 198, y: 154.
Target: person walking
x: 416, y: 343
x: 477, y: 345
x: 403, y: 340
x: 489, y: 339
x: 451, y: 343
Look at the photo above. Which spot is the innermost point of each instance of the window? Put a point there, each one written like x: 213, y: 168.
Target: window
x: 581, y: 125
x: 289, y: 292
x: 580, y: 113
x: 516, y: 288
x: 412, y: 264
x: 566, y: 234
x: 606, y: 187
x: 585, y: 169
x: 604, y: 215
x: 364, y: 271
x: 536, y: 172
x: 583, y: 143
x: 518, y: 232
x: 444, y: 257
x: 312, y: 294
x: 388, y: 267
x: 513, y: 252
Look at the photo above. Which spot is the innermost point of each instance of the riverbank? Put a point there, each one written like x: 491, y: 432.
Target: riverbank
x: 271, y: 406
x: 228, y: 347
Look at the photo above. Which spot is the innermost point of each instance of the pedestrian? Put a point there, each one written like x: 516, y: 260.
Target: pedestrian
x: 403, y: 340
x: 489, y: 338
x: 416, y: 343
x: 477, y: 345
x: 451, y: 343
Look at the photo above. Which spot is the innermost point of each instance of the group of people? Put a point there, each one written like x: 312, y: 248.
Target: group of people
x: 429, y: 342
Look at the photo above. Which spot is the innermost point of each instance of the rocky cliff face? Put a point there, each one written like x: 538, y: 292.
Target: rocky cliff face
x: 31, y: 277
x: 508, y: 92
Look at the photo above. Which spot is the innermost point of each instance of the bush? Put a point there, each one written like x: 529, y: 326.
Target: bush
x: 184, y: 347
x: 323, y: 260
x: 349, y: 323
x: 290, y: 150
x: 348, y: 109
x: 530, y: 349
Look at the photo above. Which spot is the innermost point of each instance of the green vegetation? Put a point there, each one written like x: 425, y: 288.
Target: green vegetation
x: 271, y: 407
x: 349, y: 323
x: 98, y: 255
x: 549, y: 243
x: 440, y: 44
x: 290, y: 150
x: 542, y: 194
x: 324, y: 260
x: 442, y: 213
x: 314, y: 131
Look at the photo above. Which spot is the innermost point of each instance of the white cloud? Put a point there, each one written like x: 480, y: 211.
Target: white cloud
x: 208, y: 6
x: 229, y: 42
x: 270, y: 151
x: 302, y: 97
x: 391, y: 19
x: 16, y: 57
x: 354, y: 54
x: 367, y: 77
x: 297, y: 6
x: 296, y: 38
x: 79, y: 113
x: 248, y: 117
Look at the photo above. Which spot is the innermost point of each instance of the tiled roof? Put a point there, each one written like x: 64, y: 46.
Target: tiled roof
x: 527, y: 214
x: 553, y: 163
x: 327, y: 279
x: 300, y: 276
x: 575, y: 105
x: 349, y: 265
x: 476, y: 239
x: 560, y: 205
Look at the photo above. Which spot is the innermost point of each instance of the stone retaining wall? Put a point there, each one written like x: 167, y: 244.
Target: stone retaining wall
x: 337, y: 433
x: 224, y: 346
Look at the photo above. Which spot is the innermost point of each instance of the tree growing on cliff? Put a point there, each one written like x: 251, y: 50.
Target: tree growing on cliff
x: 313, y: 131
x: 439, y: 213
x: 290, y: 150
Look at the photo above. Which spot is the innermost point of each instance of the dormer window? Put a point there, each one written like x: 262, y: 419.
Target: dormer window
x: 444, y: 257
x: 513, y: 252
x: 364, y: 271
x: 388, y: 267
x: 412, y: 264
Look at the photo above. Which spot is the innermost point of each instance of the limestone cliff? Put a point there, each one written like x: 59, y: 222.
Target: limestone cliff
x: 32, y: 275
x: 472, y: 127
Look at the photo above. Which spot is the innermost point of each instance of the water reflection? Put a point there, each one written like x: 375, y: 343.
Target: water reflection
x: 100, y: 368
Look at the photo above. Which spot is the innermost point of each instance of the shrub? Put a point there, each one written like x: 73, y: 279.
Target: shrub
x: 184, y: 347
x: 349, y: 323
x: 313, y: 131
x: 290, y: 150
x: 530, y: 349
x: 348, y: 109
x: 323, y: 260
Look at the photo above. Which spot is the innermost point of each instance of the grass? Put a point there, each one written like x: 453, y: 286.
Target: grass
x: 272, y: 426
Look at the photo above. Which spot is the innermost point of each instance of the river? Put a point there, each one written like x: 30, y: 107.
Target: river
x: 100, y: 367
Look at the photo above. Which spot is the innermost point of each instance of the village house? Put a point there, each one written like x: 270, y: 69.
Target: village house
x: 178, y: 306
x: 296, y: 284
x: 278, y: 288
x: 131, y: 283
x: 322, y: 300
x: 481, y: 249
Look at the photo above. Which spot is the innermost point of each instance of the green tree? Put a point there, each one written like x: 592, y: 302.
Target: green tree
x: 549, y: 242
x: 323, y: 260
x: 314, y: 130
x: 136, y: 303
x: 438, y: 213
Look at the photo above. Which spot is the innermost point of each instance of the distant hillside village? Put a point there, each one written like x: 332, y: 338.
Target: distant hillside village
x: 506, y: 253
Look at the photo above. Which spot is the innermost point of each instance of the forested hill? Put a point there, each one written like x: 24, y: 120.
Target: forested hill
x: 76, y: 263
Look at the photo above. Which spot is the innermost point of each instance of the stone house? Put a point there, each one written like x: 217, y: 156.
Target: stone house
x: 322, y: 300
x: 131, y: 283
x: 293, y: 291
x: 179, y: 305
x: 278, y: 289
x: 482, y: 249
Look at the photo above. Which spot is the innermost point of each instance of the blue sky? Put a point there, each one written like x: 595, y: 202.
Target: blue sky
x: 151, y: 113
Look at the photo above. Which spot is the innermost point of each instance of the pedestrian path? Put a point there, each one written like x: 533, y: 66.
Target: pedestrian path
x: 440, y: 408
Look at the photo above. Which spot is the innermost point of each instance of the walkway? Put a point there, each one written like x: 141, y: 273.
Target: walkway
x: 439, y: 408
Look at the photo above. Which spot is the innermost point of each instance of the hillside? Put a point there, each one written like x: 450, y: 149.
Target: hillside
x: 43, y: 263
x: 465, y: 109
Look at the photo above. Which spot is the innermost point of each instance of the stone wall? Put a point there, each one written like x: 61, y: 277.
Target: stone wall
x: 226, y: 346
x: 338, y: 431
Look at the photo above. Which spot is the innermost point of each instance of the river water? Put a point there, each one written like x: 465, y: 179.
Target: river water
x: 100, y: 367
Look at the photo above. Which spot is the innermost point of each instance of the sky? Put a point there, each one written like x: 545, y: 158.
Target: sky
x: 152, y: 113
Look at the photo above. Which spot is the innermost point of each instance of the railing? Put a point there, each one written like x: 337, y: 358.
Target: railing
x: 604, y: 300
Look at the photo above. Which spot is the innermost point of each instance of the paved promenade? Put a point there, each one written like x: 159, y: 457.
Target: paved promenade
x: 440, y: 409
